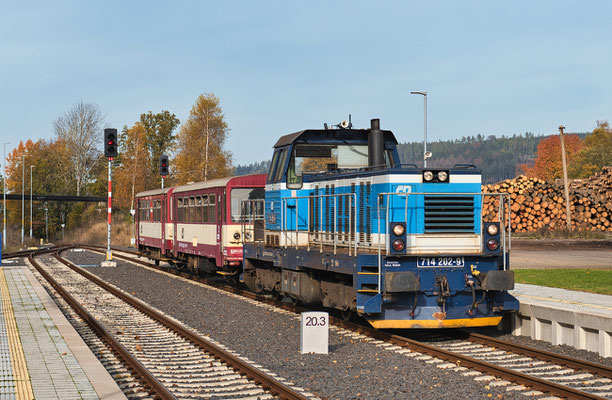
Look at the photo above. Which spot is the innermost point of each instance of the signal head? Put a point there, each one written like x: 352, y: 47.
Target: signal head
x: 110, y: 142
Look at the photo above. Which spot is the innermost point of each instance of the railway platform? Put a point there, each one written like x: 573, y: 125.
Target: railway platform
x: 559, y: 316
x: 42, y: 355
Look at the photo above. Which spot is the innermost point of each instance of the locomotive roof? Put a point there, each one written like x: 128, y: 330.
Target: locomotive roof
x: 330, y: 135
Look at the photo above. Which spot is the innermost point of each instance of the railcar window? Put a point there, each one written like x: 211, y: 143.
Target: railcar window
x: 189, y: 211
x: 198, y: 210
x: 180, y: 210
x: 240, y: 195
x: 211, y: 208
x: 205, y: 208
x: 157, y: 211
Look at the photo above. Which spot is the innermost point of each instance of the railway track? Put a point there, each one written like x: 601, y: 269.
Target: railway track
x: 514, y: 364
x: 166, y: 360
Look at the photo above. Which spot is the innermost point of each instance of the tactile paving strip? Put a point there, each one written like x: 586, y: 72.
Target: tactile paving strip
x: 15, y: 380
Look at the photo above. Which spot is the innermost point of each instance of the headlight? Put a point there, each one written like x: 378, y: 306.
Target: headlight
x: 493, y: 244
x: 398, y: 229
x: 247, y: 235
x: 236, y: 236
x: 492, y: 229
x: 398, y: 245
x: 442, y: 176
x: 428, y: 176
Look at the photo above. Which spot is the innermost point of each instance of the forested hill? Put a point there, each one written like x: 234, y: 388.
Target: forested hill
x: 498, y: 158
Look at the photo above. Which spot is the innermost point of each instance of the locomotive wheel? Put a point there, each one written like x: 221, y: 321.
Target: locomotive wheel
x: 347, y: 315
x: 250, y: 280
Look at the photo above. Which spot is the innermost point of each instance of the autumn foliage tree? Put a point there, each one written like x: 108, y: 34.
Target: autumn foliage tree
x: 48, y: 177
x: 548, y: 163
x: 159, y: 130
x: 201, y: 154
x: 596, y: 152
x: 134, y: 173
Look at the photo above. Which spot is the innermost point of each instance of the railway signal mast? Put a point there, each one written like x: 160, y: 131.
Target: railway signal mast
x: 163, y: 168
x: 110, y: 151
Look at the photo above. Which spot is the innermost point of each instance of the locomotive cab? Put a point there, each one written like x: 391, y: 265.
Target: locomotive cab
x: 346, y: 225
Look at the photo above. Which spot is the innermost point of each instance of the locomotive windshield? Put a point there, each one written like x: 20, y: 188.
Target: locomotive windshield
x: 240, y: 195
x: 314, y: 159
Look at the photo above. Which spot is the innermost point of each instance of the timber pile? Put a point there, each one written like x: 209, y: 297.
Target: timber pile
x: 598, y: 186
x: 536, y: 204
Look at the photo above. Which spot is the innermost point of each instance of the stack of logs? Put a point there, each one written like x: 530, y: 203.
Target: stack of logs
x: 537, y: 205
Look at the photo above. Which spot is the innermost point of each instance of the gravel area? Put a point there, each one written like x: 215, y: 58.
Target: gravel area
x: 354, y: 368
x: 564, y: 350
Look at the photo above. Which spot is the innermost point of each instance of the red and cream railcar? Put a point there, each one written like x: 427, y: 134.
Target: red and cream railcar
x: 199, y: 223
x: 151, y: 216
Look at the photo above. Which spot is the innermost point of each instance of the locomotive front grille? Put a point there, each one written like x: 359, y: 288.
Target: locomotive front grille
x: 449, y: 214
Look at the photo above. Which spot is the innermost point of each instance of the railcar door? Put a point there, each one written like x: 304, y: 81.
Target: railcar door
x: 219, y: 218
x: 162, y: 221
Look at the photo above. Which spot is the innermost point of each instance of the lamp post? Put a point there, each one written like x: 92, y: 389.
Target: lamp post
x: 22, y: 197
x: 46, y: 222
x: 31, y: 168
x: 4, y: 198
x: 424, y: 94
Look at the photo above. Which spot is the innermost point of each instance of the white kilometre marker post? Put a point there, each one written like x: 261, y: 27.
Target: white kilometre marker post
x: 314, y: 332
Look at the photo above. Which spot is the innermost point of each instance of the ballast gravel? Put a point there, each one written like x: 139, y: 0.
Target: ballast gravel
x: 353, y: 369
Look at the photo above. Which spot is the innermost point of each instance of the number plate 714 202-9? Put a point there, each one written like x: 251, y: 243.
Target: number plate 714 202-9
x: 425, y: 262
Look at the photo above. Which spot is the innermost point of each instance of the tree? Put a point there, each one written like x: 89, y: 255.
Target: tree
x: 133, y: 175
x: 595, y: 153
x: 47, y: 178
x: 548, y: 163
x: 80, y: 128
x: 200, y: 143
x: 159, y: 138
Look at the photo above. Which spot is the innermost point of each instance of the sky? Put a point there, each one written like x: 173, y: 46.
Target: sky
x: 489, y: 67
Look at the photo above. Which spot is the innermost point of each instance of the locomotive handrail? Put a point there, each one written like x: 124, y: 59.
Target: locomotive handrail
x: 253, y: 217
x: 335, y: 234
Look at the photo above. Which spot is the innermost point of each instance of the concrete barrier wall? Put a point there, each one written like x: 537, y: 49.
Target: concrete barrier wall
x: 582, y: 329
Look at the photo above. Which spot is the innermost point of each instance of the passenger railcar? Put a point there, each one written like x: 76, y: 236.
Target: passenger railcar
x: 197, y: 225
x: 346, y: 225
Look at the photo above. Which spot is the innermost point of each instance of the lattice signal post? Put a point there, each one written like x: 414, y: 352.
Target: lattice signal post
x: 110, y: 151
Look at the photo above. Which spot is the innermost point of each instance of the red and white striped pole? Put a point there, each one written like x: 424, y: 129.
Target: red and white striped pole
x: 109, y: 255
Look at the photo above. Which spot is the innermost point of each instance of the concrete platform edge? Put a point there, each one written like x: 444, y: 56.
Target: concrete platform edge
x: 573, y: 323
x: 104, y: 385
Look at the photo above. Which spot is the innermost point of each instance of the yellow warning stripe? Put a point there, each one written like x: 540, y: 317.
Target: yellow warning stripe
x: 20, y: 369
x: 434, y: 323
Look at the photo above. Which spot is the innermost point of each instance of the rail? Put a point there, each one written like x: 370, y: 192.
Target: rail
x: 269, y: 383
x: 157, y: 387
x: 450, y: 356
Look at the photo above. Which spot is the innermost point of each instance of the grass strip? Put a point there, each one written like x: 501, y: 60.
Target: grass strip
x: 585, y: 280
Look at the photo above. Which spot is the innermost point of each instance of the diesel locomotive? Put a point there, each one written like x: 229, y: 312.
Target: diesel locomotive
x: 344, y: 224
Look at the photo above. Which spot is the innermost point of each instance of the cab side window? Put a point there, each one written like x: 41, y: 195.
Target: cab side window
x: 273, y: 166
x: 281, y: 165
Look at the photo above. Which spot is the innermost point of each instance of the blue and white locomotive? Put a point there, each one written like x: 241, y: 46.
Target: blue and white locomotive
x: 344, y: 224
